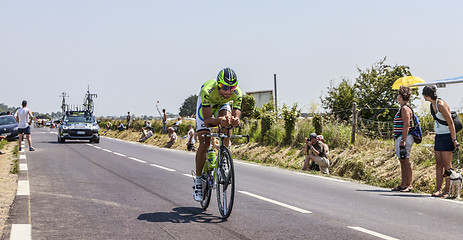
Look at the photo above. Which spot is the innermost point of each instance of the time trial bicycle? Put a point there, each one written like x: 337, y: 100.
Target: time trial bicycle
x: 219, y: 174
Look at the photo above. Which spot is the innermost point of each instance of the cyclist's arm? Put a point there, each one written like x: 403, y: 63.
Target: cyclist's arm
x: 235, y: 120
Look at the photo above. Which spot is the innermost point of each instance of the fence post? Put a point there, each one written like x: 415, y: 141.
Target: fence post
x: 354, y: 122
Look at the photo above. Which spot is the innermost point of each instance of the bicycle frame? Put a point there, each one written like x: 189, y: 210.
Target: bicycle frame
x: 221, y: 136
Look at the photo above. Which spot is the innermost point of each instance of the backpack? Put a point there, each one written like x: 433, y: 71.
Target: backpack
x: 455, y: 118
x: 415, y: 131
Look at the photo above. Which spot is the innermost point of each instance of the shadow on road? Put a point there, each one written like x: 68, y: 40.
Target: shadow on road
x: 181, y: 215
x: 67, y: 142
x: 397, y: 194
x: 375, y: 190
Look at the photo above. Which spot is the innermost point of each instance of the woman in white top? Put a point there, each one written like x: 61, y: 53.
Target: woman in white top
x: 445, y: 140
x: 24, y: 117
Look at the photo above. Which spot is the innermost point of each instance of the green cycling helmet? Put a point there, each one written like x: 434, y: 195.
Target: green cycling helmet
x: 227, y: 77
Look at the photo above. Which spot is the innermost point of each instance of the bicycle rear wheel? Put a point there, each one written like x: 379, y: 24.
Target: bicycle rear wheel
x: 225, y: 182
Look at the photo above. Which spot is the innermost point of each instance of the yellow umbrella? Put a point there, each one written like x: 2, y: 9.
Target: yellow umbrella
x: 406, y: 81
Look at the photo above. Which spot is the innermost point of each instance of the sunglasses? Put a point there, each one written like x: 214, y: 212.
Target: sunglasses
x: 226, y: 87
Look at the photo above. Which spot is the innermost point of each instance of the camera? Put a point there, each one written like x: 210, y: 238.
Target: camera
x: 403, y: 152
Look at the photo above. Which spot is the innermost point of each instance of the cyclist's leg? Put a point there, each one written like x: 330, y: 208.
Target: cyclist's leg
x: 204, y: 142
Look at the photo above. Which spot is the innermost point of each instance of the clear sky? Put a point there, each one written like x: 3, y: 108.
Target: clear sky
x: 134, y: 53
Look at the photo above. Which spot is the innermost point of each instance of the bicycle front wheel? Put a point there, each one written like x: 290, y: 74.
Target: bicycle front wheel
x: 225, y: 182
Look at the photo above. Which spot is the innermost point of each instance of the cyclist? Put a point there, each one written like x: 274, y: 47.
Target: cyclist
x: 213, y: 109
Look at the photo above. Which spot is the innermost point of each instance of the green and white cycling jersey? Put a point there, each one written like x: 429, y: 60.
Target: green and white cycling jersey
x: 209, y: 96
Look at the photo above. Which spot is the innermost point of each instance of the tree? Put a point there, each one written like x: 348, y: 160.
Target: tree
x: 340, y: 98
x: 371, y: 89
x: 188, y: 107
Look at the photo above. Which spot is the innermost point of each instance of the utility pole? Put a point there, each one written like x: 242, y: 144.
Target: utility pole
x: 354, y: 122
x: 275, y: 83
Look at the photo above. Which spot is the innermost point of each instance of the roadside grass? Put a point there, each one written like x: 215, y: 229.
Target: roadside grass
x: 370, y: 161
x: 15, y: 162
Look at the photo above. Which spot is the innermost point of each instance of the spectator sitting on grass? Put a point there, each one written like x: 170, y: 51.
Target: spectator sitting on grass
x: 147, y: 133
x: 108, y: 127
x: 121, y: 127
x: 176, y: 124
x: 191, y: 138
x: 172, y: 137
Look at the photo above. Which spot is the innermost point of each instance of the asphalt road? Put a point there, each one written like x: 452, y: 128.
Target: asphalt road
x: 122, y: 190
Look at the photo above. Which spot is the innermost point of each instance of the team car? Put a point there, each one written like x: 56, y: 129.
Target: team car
x: 79, y: 125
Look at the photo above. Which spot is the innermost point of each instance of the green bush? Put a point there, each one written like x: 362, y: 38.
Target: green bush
x: 303, y: 129
x: 275, y: 135
x: 337, y: 135
x: 317, y: 123
x: 290, y: 117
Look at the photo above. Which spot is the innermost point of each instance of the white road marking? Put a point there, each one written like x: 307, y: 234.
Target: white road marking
x: 275, y: 202
x: 161, y: 167
x: 321, y: 177
x: 187, y: 175
x: 22, y: 167
x: 106, y: 150
x: 120, y: 154
x: 138, y: 160
x: 450, y: 200
x: 246, y: 163
x: 372, y: 233
x: 96, y: 147
x: 20, y: 232
x: 23, y: 188
x: 22, y: 156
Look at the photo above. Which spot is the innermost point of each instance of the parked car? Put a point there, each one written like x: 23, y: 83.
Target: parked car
x: 79, y: 125
x: 9, y: 127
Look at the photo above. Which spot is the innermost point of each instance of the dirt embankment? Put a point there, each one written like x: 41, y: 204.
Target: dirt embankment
x: 8, y: 183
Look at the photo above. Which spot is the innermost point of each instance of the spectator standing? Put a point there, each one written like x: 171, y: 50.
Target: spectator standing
x: 129, y: 120
x: 403, y: 139
x: 445, y: 140
x: 172, y: 137
x: 24, y: 117
x: 164, y: 121
x: 191, y: 139
x: 317, y: 153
